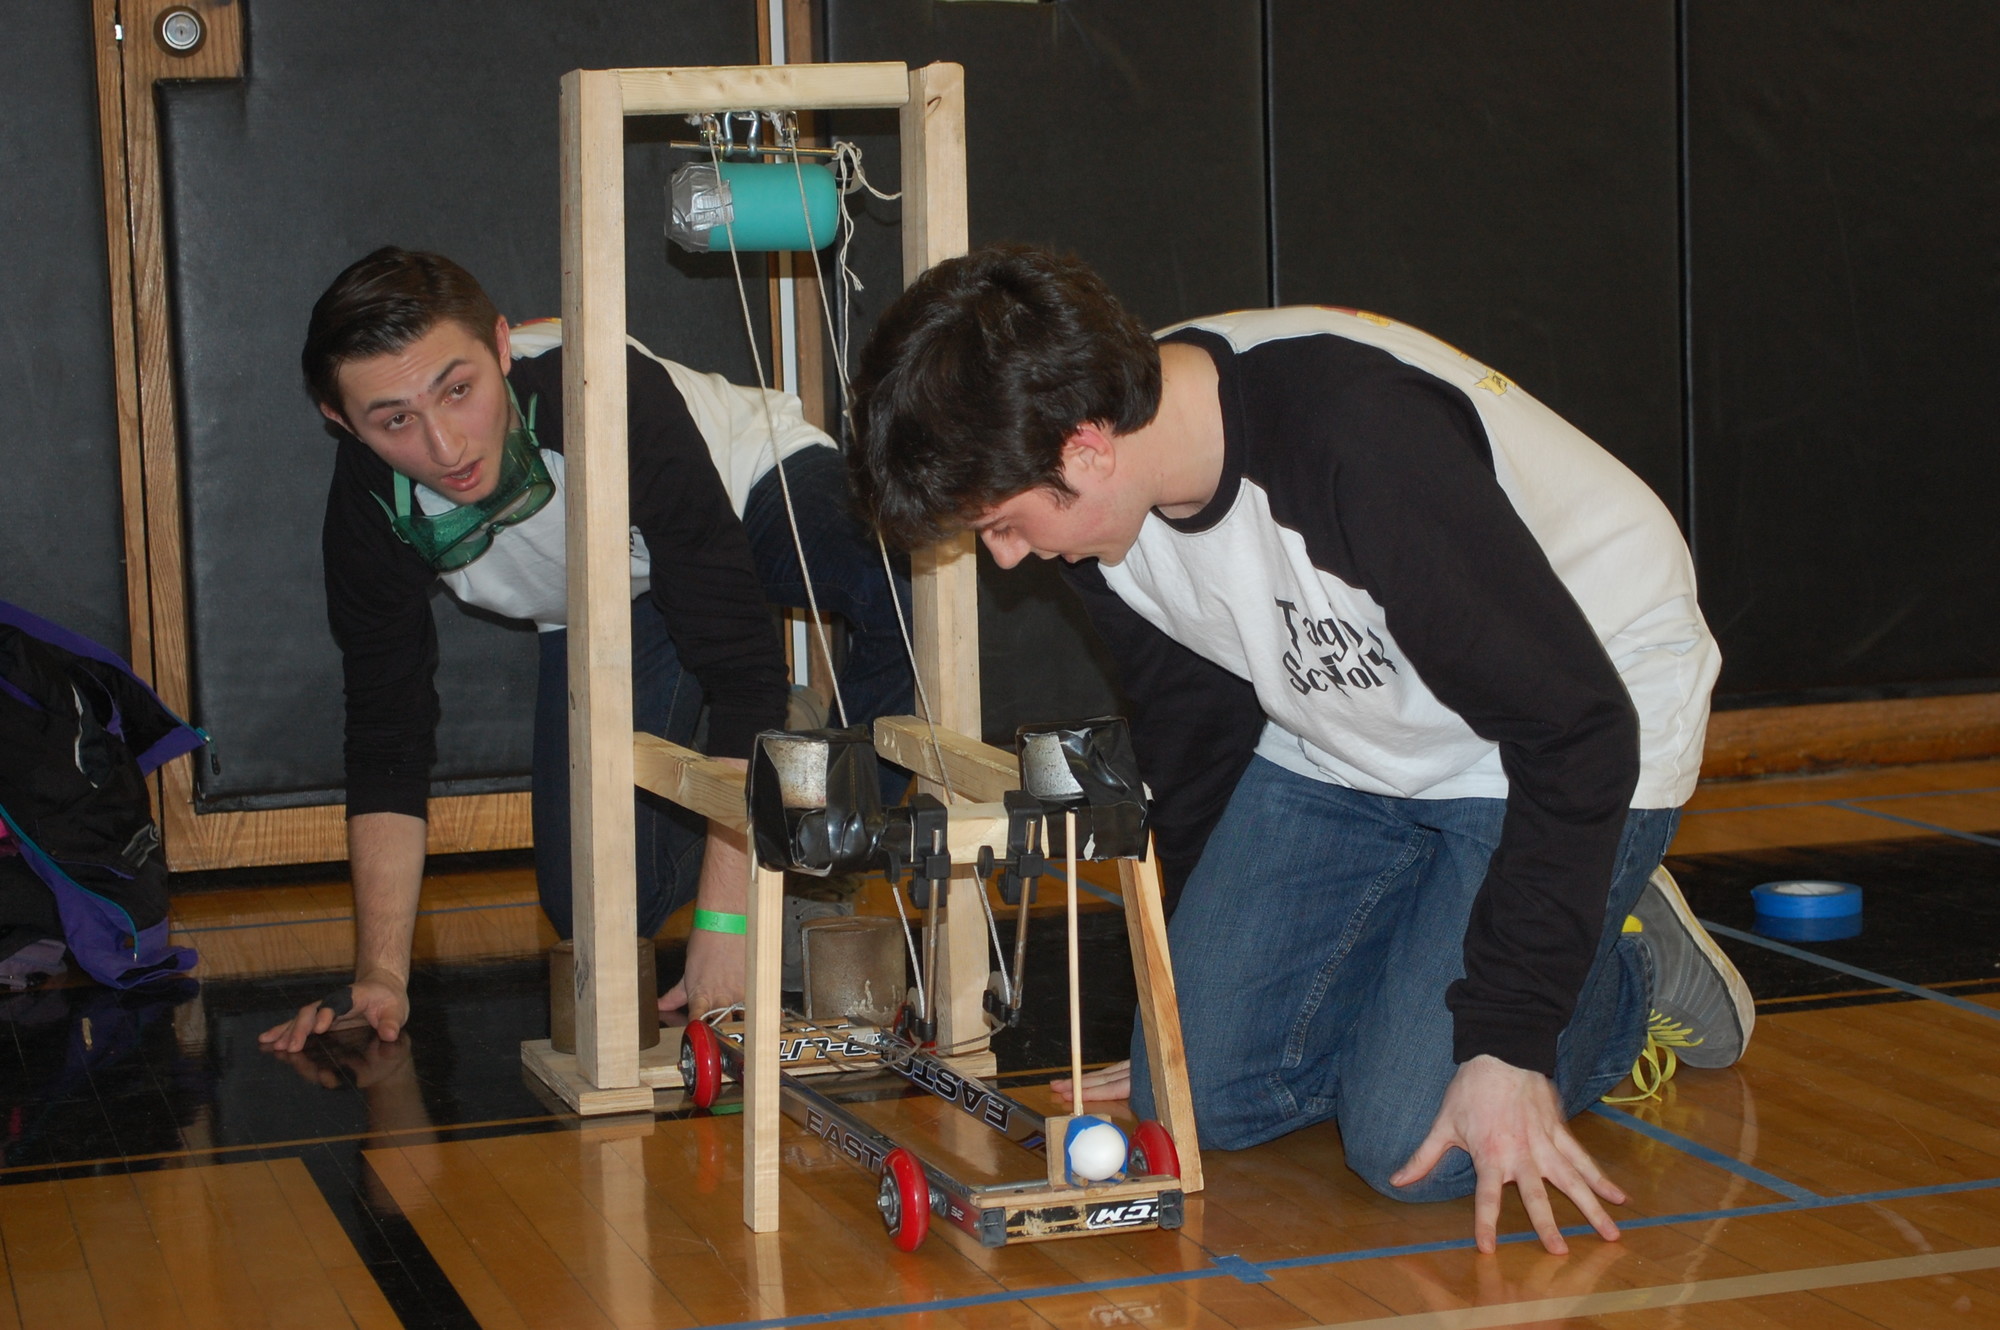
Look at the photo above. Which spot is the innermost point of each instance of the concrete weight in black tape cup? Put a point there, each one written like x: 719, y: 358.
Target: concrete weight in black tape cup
x: 1087, y: 767
x: 815, y: 801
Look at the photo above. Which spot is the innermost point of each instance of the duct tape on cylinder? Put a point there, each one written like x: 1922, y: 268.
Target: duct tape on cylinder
x: 760, y: 202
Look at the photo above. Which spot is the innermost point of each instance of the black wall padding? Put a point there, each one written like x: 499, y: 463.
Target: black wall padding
x: 362, y: 124
x: 1844, y: 167
x: 1504, y: 177
x: 1127, y: 131
x: 61, y: 545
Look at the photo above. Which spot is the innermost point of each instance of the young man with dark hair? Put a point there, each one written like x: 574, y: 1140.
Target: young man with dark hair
x: 450, y: 468
x: 1418, y: 682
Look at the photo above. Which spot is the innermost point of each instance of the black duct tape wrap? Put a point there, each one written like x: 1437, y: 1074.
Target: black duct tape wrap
x: 1087, y: 767
x: 815, y: 800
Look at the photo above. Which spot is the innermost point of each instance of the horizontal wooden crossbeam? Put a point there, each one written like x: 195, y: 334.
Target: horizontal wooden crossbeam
x: 703, y: 88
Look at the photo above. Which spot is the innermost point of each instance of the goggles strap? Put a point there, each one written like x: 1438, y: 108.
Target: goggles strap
x: 417, y: 529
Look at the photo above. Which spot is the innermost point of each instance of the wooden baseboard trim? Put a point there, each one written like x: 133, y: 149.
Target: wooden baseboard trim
x: 459, y: 824
x: 1770, y: 740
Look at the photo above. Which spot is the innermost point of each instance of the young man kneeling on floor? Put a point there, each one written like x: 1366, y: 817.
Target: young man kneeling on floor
x: 1418, y: 681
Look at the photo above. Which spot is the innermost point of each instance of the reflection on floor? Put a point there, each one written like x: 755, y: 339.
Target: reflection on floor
x: 157, y: 1165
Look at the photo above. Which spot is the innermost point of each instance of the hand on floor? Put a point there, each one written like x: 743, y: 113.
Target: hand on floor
x: 714, y: 975
x: 368, y: 1061
x: 379, y: 1003
x: 1112, y: 1082
x: 1510, y: 1122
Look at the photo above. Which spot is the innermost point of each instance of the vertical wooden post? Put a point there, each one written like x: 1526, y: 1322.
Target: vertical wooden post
x: 945, y: 627
x: 1075, y: 967
x: 762, y: 1012
x: 1159, y: 1010
x: 600, y: 572
x: 946, y: 630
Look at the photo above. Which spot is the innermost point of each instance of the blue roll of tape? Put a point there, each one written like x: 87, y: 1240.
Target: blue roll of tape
x: 1807, y: 911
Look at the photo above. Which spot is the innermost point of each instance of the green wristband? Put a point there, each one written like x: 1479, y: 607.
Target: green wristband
x: 719, y: 921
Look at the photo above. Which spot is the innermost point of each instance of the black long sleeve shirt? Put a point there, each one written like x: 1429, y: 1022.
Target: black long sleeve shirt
x: 703, y: 581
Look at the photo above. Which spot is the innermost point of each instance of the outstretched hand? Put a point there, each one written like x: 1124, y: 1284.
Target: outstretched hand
x: 382, y: 1004
x: 1510, y: 1122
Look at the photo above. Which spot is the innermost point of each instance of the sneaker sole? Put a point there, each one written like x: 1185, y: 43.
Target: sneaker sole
x: 1739, y: 992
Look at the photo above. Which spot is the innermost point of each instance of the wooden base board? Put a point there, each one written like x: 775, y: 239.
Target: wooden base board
x: 560, y: 1073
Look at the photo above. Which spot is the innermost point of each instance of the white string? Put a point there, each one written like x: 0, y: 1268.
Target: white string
x: 910, y: 941
x: 771, y: 430
x: 851, y: 177
x: 993, y: 931
x: 847, y: 165
x: 848, y: 155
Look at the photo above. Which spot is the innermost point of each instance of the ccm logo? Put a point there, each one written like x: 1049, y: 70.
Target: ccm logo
x: 1124, y: 1214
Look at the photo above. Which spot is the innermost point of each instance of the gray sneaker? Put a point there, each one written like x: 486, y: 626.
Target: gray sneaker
x: 1698, y: 997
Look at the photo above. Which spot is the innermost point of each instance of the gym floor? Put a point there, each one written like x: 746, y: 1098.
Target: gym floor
x: 156, y: 1166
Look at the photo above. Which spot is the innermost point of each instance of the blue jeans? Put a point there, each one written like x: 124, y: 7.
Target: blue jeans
x: 667, y: 700
x: 1312, y: 949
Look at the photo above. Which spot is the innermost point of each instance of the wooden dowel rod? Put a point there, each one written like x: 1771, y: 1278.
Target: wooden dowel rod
x: 1075, y: 973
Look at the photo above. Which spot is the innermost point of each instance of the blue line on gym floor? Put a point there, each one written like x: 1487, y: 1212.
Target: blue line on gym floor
x: 1881, y: 980
x: 1912, y: 822
x: 1748, y: 1172
x: 1797, y: 1198
x: 1237, y: 1267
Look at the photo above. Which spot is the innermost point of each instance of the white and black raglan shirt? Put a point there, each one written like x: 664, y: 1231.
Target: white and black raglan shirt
x: 695, y: 446
x: 1415, y: 580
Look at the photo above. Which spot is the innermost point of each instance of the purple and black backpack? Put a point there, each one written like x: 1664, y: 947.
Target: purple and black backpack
x: 79, y: 734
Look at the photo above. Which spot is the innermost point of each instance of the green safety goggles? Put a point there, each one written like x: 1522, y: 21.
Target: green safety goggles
x: 452, y: 540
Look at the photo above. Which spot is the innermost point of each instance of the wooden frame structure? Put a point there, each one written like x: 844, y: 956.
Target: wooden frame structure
x: 606, y: 1073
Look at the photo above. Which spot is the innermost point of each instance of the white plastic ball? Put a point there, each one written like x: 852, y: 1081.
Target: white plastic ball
x: 1095, y: 1149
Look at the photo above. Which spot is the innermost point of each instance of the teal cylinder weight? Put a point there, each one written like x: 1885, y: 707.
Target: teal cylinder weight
x: 763, y: 207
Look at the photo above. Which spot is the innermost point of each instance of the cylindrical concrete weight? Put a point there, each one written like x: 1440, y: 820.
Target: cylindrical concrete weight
x: 562, y: 996
x: 854, y: 967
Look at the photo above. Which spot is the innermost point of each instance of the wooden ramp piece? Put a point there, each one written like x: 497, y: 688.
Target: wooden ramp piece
x: 1159, y: 1011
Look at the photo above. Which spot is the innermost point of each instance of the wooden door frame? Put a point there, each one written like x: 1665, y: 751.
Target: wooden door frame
x: 131, y: 61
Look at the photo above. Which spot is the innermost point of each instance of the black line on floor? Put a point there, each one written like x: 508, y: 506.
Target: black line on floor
x: 414, y: 1285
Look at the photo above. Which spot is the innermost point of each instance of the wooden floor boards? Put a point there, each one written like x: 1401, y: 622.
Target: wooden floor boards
x: 1840, y: 807
x: 1845, y: 1174
x: 231, y: 1245
x: 638, y: 1225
